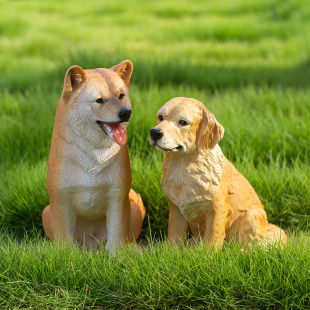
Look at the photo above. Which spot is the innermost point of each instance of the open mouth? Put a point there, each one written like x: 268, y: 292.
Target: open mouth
x: 175, y: 149
x: 115, y: 131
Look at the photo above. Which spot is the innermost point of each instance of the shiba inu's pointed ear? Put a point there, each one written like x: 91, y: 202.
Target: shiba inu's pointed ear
x: 74, y: 78
x: 124, y: 70
x: 210, y: 132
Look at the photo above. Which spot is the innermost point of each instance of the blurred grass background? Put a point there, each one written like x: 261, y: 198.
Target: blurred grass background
x: 247, y: 61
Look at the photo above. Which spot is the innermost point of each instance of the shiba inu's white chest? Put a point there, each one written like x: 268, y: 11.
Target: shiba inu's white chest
x: 85, y: 175
x: 191, y: 185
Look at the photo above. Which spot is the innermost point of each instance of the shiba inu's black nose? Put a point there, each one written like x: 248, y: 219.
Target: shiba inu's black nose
x: 156, y: 134
x: 124, y: 114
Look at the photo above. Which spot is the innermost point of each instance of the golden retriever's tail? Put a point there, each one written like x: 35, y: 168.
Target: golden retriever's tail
x: 137, y: 215
x: 275, y: 234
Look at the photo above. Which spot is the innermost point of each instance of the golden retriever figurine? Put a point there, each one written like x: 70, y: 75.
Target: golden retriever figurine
x: 205, y: 191
x: 89, y: 174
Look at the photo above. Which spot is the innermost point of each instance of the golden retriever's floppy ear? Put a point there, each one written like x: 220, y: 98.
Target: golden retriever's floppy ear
x: 210, y: 132
x: 74, y: 78
x: 124, y: 70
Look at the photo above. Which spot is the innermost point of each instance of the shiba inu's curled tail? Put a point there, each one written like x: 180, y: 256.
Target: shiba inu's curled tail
x: 47, y: 225
x: 136, y: 198
x: 137, y: 215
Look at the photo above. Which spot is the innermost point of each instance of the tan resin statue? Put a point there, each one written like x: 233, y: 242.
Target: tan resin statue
x: 89, y: 174
x: 205, y: 191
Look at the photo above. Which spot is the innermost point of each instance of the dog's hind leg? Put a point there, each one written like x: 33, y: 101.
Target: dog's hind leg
x: 262, y: 231
x: 252, y: 225
x: 249, y: 226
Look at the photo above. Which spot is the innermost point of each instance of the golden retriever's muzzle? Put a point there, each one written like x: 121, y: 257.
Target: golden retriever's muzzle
x: 156, y: 134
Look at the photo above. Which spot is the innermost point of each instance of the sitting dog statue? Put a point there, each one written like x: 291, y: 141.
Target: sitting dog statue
x: 205, y: 191
x: 89, y: 174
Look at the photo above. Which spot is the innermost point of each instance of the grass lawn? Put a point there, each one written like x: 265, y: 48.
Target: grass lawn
x: 37, y: 274
x: 247, y: 61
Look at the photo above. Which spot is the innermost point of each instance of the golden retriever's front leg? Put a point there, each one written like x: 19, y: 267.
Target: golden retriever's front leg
x: 177, y: 226
x: 215, y: 226
x: 118, y: 220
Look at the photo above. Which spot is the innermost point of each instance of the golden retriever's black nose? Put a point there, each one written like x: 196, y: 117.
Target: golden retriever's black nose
x: 156, y: 134
x: 124, y: 114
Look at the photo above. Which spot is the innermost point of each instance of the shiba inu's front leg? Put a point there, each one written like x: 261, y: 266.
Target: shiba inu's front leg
x: 118, y: 220
x: 63, y: 220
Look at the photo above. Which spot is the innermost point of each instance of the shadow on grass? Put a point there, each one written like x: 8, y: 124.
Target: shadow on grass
x: 217, y: 77
x: 169, y: 71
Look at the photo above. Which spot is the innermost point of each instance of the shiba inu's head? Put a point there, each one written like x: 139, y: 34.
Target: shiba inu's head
x: 184, y: 125
x: 97, y: 103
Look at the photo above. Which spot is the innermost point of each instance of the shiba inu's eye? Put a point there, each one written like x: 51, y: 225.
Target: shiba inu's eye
x: 99, y: 100
x: 160, y: 118
x: 183, y: 123
x: 121, y: 96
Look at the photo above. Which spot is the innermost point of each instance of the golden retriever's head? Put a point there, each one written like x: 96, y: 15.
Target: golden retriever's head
x: 185, y: 125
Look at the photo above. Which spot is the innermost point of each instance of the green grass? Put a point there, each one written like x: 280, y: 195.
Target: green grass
x: 37, y: 274
x: 247, y: 61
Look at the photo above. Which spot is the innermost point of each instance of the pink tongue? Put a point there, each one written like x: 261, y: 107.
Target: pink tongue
x: 119, y: 134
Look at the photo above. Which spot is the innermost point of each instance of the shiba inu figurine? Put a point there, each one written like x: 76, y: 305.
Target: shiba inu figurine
x: 89, y: 174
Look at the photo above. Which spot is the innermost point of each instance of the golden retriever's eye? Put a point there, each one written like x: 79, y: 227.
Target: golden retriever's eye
x: 183, y: 123
x: 100, y: 100
x: 160, y: 118
x: 121, y: 96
